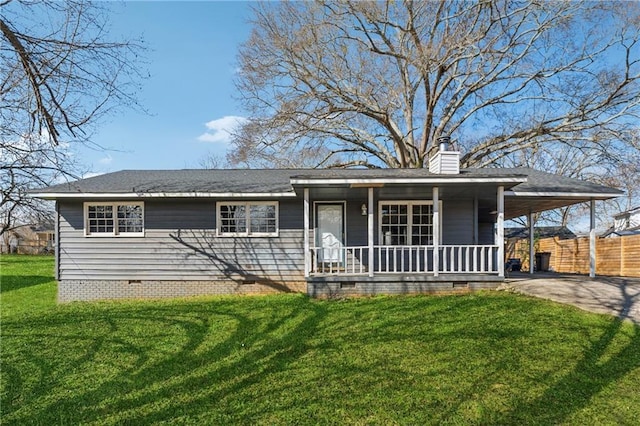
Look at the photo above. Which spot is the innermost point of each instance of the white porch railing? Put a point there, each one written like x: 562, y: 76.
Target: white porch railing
x: 354, y: 260
x: 401, y: 259
x: 469, y: 259
x: 341, y: 260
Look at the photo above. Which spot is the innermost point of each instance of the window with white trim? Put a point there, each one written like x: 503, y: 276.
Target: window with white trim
x: 406, y: 223
x: 253, y: 218
x: 114, y: 219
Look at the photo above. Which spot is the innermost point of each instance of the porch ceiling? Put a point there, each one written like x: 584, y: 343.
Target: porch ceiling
x: 516, y: 206
x: 526, y: 190
x: 486, y: 193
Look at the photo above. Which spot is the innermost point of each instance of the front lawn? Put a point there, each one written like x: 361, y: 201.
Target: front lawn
x: 484, y: 358
x: 27, y: 284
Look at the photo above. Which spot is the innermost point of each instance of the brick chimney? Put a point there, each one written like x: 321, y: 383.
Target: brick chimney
x: 445, y: 162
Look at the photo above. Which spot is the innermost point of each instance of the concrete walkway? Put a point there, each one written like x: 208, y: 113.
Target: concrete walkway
x: 616, y: 296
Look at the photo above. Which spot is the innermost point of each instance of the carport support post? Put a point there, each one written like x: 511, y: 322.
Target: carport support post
x: 531, y: 243
x: 500, y: 237
x: 592, y: 240
x: 307, y: 257
x: 436, y: 231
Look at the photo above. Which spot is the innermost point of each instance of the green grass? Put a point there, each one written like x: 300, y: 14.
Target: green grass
x: 27, y: 284
x: 484, y: 358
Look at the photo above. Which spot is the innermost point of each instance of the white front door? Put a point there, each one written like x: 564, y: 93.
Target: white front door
x: 330, y: 233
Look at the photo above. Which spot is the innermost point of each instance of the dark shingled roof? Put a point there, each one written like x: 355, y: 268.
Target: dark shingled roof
x: 561, y: 232
x: 278, y: 180
x: 180, y: 181
x: 538, y: 181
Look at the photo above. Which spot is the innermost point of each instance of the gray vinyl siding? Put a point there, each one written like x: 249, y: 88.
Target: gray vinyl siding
x: 486, y: 233
x: 180, y: 243
x: 456, y: 216
x: 357, y: 225
x: 457, y: 222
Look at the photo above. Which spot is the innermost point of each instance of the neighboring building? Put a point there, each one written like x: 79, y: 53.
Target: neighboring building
x: 625, y: 223
x: 9, y: 241
x: 28, y: 239
x: 520, y: 233
x: 148, y: 234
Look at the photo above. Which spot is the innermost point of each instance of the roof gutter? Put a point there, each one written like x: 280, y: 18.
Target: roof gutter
x: 587, y: 195
x: 137, y: 195
x: 448, y: 180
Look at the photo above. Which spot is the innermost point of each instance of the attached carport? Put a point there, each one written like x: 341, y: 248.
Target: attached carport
x: 543, y: 191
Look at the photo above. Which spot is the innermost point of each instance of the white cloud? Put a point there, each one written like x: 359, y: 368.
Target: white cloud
x: 106, y: 160
x: 220, y: 130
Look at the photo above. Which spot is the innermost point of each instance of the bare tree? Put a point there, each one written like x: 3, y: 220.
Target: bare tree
x: 591, y: 163
x: 375, y: 83
x: 59, y: 76
x: 212, y: 160
x: 625, y: 175
x: 25, y: 164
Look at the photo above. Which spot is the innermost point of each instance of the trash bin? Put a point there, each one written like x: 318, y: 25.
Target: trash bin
x: 542, y: 261
x: 514, y: 264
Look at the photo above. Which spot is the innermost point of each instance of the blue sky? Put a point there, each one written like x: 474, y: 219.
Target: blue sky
x: 191, y: 60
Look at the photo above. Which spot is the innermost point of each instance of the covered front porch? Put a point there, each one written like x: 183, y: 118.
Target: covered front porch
x: 404, y: 235
x: 401, y: 230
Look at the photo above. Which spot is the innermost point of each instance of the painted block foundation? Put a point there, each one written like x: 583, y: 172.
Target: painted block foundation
x: 322, y: 287
x: 85, y: 290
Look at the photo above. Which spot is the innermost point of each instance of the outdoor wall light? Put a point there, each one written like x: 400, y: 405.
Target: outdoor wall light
x: 363, y: 209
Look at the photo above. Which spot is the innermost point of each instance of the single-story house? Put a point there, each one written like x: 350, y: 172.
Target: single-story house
x: 167, y: 233
x: 624, y: 223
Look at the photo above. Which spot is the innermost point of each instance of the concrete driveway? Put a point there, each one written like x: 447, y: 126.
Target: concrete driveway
x: 616, y: 296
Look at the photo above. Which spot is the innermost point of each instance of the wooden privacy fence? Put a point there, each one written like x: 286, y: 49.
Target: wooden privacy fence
x: 618, y: 256
x: 28, y: 247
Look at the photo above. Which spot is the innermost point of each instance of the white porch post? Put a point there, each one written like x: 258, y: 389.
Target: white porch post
x: 475, y: 220
x: 500, y: 234
x: 307, y: 251
x: 436, y: 231
x: 531, y: 243
x: 592, y: 240
x: 370, y: 230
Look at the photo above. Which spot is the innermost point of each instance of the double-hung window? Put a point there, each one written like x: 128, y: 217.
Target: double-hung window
x: 253, y: 218
x: 406, y: 223
x: 125, y: 219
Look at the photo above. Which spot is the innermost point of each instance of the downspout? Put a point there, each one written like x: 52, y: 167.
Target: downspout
x: 57, y: 244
